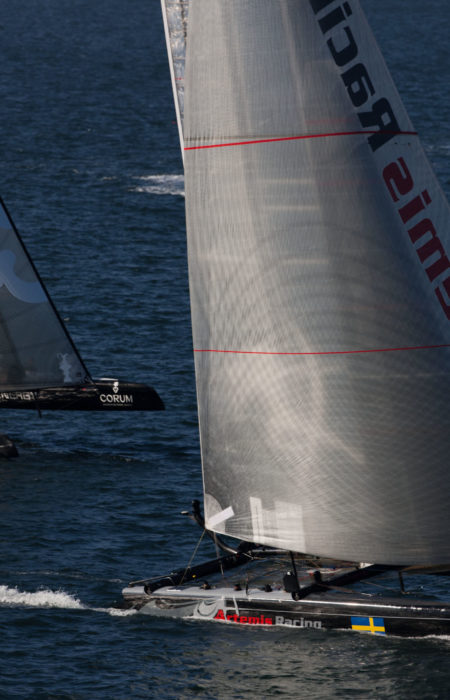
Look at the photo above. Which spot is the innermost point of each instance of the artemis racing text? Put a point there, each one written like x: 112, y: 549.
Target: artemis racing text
x: 421, y: 230
x: 262, y: 619
x: 333, y: 19
x: 243, y: 619
x: 344, y: 50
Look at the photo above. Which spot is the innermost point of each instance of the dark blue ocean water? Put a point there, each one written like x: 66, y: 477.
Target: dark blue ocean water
x: 91, y: 172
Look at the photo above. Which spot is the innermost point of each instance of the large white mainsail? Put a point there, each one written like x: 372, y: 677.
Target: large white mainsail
x: 318, y: 242
x: 35, y: 348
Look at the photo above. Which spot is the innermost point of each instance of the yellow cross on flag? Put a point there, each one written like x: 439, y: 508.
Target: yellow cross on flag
x: 375, y: 625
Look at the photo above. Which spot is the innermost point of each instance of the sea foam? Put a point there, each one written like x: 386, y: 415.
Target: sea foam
x: 161, y: 184
x: 42, y: 598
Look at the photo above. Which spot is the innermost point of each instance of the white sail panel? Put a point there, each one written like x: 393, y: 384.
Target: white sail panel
x: 318, y: 242
x: 175, y: 16
x: 35, y: 349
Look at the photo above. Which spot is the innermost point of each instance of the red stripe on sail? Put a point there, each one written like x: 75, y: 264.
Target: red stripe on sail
x: 325, y: 352
x: 297, y: 138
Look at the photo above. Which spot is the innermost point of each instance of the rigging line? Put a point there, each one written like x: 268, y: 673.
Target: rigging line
x: 324, y: 352
x: 192, y: 557
x: 299, y: 138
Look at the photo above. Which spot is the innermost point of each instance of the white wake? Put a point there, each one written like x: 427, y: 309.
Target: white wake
x: 45, y: 598
x: 39, y: 599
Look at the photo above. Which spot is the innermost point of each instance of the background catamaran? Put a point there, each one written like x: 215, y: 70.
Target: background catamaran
x: 40, y: 366
x: 318, y: 244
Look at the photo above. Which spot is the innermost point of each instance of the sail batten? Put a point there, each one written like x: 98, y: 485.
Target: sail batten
x: 318, y: 247
x: 275, y: 139
x: 324, y: 352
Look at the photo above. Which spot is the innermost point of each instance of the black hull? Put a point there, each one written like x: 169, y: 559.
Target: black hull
x: 101, y: 395
x: 377, y: 615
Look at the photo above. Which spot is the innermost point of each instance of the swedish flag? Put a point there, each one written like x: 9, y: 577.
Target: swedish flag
x: 375, y: 625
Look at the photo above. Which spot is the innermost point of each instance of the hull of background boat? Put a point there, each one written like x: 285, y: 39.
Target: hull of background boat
x: 101, y: 395
x: 382, y: 616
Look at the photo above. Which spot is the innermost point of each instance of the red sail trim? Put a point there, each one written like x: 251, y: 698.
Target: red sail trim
x: 297, y: 138
x: 325, y: 352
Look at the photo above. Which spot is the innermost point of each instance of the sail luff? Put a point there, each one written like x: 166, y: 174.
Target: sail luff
x: 318, y: 243
x: 87, y: 377
x: 174, y: 14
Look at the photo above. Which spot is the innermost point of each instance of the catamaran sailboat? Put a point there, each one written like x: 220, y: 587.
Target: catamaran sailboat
x: 319, y: 267
x: 40, y: 366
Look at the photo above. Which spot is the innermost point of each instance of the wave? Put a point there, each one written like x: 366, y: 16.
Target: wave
x: 45, y: 598
x: 161, y: 184
x: 116, y: 612
x: 39, y: 599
